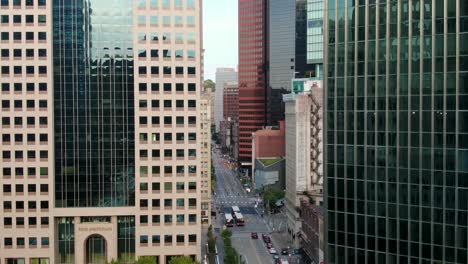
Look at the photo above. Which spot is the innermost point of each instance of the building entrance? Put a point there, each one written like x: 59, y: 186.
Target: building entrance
x: 96, y: 250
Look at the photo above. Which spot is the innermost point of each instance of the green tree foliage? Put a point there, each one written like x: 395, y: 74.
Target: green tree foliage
x: 146, y: 260
x: 271, y: 195
x: 211, y: 241
x: 114, y: 262
x: 209, y: 84
x: 231, y: 255
x: 215, y: 137
x: 211, y: 255
x: 213, y: 176
x: 183, y: 260
x: 226, y: 233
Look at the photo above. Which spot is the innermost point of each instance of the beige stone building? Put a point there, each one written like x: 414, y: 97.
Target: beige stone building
x: 206, y: 104
x: 304, y: 148
x: 101, y: 130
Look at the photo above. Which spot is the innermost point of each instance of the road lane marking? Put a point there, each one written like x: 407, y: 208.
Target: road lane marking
x: 255, y: 251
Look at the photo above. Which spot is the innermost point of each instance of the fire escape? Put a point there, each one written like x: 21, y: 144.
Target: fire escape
x: 316, y: 115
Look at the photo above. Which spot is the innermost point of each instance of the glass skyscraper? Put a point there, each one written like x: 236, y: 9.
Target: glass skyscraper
x: 94, y: 104
x: 396, y: 131
x: 253, y: 74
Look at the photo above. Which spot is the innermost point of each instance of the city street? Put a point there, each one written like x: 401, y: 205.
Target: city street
x: 229, y: 192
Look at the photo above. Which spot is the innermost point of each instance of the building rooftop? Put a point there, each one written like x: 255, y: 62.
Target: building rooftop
x: 269, y: 161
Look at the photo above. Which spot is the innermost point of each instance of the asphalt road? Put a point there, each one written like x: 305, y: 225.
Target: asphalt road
x: 228, y: 192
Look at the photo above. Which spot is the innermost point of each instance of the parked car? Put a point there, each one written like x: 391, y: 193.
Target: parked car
x: 273, y: 251
x: 269, y: 245
x: 284, y: 251
x: 254, y: 235
x: 266, y: 238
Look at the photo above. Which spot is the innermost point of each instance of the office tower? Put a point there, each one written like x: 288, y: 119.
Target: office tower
x: 281, y: 43
x: 229, y: 125
x: 223, y: 76
x: 304, y: 155
x: 309, y: 38
x: 281, y: 56
x: 100, y: 157
x: 396, y: 131
x: 231, y: 101
x: 27, y: 149
x: 252, y: 73
x: 206, y: 103
x: 315, y: 31
x: 300, y: 60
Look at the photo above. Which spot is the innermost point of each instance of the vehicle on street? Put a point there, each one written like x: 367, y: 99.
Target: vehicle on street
x: 283, y: 261
x: 273, y: 251
x: 229, y: 220
x: 284, y: 251
x: 254, y: 235
x: 277, y: 260
x: 239, y: 219
x: 235, y: 209
x: 269, y: 245
x: 266, y: 238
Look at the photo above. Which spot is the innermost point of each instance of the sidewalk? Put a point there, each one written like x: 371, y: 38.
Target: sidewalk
x: 280, y: 240
x: 217, y: 229
x: 204, y: 240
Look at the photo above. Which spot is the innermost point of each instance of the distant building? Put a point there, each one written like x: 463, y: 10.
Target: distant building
x: 231, y: 101
x: 228, y: 137
x: 223, y: 76
x: 303, y: 149
x: 281, y: 56
x: 267, y: 143
x: 209, y: 94
x: 252, y: 74
x: 206, y: 102
x: 312, y: 231
x: 269, y: 172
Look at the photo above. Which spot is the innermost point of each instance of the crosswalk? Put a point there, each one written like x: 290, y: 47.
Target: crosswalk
x: 234, y: 202
x: 233, y: 197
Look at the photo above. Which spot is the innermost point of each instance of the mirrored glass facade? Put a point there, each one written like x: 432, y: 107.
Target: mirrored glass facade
x: 396, y: 131
x: 66, y: 240
x: 94, y: 103
x: 126, y: 238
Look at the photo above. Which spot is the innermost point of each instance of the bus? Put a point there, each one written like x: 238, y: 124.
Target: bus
x: 239, y: 219
x: 235, y: 209
x: 229, y: 220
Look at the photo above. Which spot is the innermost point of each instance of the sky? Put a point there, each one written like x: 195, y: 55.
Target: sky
x: 219, y: 35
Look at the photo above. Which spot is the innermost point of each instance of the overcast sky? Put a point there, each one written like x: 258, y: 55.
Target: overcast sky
x: 220, y: 35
